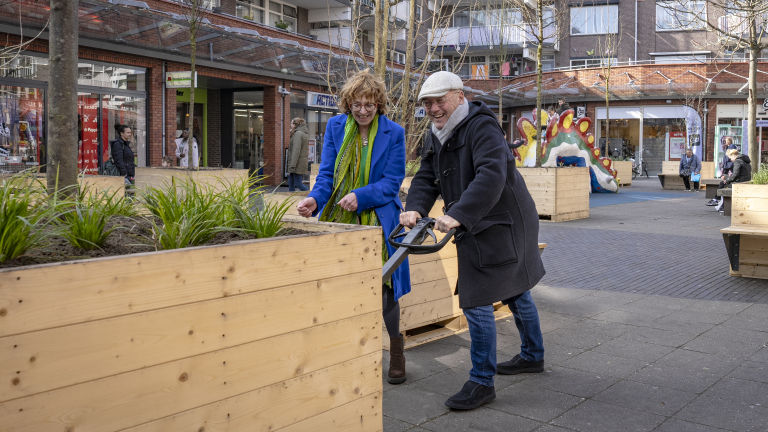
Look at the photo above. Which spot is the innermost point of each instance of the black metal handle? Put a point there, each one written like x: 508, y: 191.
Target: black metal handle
x: 419, y: 233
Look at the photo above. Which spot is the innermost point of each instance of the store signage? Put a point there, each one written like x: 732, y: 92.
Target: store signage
x: 321, y: 100
x: 311, y: 156
x: 179, y: 79
x: 581, y: 112
x: 675, y: 145
x: 420, y: 112
x: 765, y: 104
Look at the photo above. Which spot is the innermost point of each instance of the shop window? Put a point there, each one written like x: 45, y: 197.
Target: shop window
x: 24, y: 66
x: 111, y: 76
x: 22, y: 143
x: 594, y: 19
x: 680, y: 15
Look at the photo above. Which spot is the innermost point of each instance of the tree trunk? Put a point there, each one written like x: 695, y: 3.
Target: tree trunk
x: 754, y: 146
x: 607, y: 112
x: 61, y: 170
x: 407, y: 106
x: 380, y: 43
x: 539, y: 72
x: 191, y: 112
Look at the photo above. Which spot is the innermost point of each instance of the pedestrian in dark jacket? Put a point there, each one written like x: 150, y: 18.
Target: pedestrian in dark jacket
x: 467, y: 161
x: 742, y: 172
x: 122, y: 154
x: 690, y: 165
x: 298, y: 155
x: 727, y: 163
x: 562, y: 105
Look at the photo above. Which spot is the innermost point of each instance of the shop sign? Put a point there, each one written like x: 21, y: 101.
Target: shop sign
x: 676, y: 145
x: 420, y: 112
x: 694, y: 140
x: 765, y: 104
x: 311, y: 155
x: 581, y: 111
x: 321, y: 100
x: 179, y: 79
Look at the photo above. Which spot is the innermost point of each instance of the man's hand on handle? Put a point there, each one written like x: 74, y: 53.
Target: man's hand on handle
x: 408, y: 219
x: 442, y: 224
x: 306, y: 207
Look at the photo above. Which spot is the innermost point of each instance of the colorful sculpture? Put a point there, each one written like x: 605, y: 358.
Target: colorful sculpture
x: 567, y: 143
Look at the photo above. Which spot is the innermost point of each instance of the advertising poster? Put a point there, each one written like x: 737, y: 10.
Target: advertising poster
x: 88, y: 134
x: 676, y: 143
x: 312, y: 151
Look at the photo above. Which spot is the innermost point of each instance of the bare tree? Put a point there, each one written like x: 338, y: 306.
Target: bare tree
x: 606, y: 49
x: 738, y: 24
x: 61, y: 173
x: 194, y: 13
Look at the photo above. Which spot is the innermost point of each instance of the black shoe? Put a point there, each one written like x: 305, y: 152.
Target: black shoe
x: 471, y: 396
x: 712, y: 202
x: 517, y: 366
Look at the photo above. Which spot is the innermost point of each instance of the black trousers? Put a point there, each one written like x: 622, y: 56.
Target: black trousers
x: 391, y: 311
x: 687, y: 181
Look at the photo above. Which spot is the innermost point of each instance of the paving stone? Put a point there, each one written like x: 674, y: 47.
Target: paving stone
x: 627, y: 317
x: 633, y: 349
x: 571, y: 381
x: 725, y: 414
x: 749, y: 322
x: 599, y: 363
x: 722, y: 347
x: 534, y: 402
x: 594, y: 416
x: 451, y: 381
x: 446, y: 354
x: 759, y: 311
x: 728, y: 332
x: 643, y: 397
x: 650, y: 311
x: 657, y: 336
x: 552, y: 428
x: 681, y: 324
x: 413, y: 405
x: 722, y: 307
x: 675, y: 425
x: 552, y: 321
x: 601, y: 327
x: 696, y: 360
x: 481, y: 419
x: 760, y: 356
x: 393, y: 425
x: 580, y: 307
x: 575, y: 338
x: 739, y: 390
x: 699, y: 316
x: 688, y: 380
x: 751, y: 371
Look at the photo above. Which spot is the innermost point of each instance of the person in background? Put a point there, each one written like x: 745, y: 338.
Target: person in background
x: 562, y: 105
x: 497, y: 229
x: 298, y: 154
x: 690, y: 165
x: 742, y: 172
x: 122, y: 155
x: 726, y: 165
x: 359, y: 180
x: 167, y: 162
x: 182, y: 150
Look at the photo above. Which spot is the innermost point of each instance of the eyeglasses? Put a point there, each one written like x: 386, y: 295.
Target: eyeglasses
x: 356, y: 107
x: 440, y: 102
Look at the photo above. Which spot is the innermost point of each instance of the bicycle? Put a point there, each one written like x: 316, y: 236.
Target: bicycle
x: 639, y: 169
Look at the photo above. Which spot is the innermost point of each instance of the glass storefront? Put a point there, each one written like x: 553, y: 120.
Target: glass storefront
x: 248, y: 129
x: 109, y: 95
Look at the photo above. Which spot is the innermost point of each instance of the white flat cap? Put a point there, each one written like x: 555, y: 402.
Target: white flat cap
x: 440, y: 83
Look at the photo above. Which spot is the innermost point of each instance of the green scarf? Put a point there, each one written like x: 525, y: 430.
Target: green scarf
x: 352, y: 171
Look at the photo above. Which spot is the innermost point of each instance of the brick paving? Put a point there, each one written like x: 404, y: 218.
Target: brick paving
x: 634, y: 340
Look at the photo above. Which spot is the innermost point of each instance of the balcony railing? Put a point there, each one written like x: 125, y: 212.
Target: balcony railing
x: 487, y: 36
x: 737, y: 26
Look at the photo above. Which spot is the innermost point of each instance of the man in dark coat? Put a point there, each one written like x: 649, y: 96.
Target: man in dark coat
x: 122, y: 154
x: 467, y: 161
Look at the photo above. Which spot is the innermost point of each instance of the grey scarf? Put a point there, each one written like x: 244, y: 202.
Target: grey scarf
x: 462, y: 111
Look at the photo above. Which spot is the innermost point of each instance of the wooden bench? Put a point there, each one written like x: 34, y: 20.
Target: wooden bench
x: 710, y: 185
x: 726, y: 194
x: 746, y: 240
x: 671, y: 181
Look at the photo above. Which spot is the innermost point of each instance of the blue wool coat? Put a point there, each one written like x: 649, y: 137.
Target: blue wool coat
x: 382, y: 193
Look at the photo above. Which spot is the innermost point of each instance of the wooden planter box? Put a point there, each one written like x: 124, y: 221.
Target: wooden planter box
x: 279, y: 334
x: 157, y: 177
x: 624, y: 169
x: 560, y: 194
x: 749, y: 220
x: 670, y: 175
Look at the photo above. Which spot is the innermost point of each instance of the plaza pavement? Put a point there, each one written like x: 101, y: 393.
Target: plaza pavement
x: 643, y: 329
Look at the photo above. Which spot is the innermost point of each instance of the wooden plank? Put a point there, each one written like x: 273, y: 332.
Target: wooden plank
x: 85, y: 291
x: 362, y: 415
x: 433, y: 270
x: 752, y: 271
x: 757, y: 258
x: 282, y: 404
x: 754, y: 243
x: 750, y: 191
x: 754, y: 230
x: 563, y: 217
x: 751, y: 204
x: 67, y: 355
x: 429, y: 312
x: 751, y: 218
x: 448, y: 252
x: 155, y: 392
x: 429, y: 291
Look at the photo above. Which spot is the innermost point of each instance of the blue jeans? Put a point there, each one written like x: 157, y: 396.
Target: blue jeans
x: 296, y: 181
x: 482, y: 331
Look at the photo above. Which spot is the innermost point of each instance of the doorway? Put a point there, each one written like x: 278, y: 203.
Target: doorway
x: 316, y: 123
x: 249, y: 135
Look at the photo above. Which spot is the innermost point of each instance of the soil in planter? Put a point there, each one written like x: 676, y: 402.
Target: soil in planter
x: 133, y: 237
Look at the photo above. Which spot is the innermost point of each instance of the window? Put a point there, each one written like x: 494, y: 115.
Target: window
x: 547, y: 62
x: 595, y: 20
x: 590, y: 63
x: 680, y: 15
x: 268, y: 12
x: 398, y: 57
x: 418, y: 13
x: 681, y: 58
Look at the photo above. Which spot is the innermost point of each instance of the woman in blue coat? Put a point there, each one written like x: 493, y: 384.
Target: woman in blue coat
x: 363, y: 166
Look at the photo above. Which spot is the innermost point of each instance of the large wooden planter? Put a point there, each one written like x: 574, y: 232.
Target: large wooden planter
x: 279, y: 334
x: 560, y: 194
x: 749, y: 221
x: 624, y: 169
x: 157, y: 177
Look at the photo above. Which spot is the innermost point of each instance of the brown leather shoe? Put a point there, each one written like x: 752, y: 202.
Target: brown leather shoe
x: 396, y: 360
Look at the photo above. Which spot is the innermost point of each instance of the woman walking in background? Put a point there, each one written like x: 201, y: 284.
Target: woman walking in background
x: 298, y: 154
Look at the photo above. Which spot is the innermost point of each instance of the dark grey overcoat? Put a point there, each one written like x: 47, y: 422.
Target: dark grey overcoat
x: 498, y: 241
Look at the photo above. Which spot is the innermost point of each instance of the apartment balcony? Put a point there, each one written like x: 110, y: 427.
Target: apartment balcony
x: 341, y: 13
x: 736, y: 28
x: 488, y: 37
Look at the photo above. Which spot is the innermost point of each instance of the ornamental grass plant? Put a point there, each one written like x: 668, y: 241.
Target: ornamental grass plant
x: 761, y: 176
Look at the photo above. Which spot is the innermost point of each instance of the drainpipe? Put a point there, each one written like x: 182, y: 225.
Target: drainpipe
x: 163, y: 110
x: 636, y: 31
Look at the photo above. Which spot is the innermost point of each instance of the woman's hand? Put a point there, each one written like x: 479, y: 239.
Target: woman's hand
x: 306, y: 207
x: 408, y: 219
x: 349, y: 202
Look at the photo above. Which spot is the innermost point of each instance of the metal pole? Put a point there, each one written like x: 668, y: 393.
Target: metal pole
x: 636, y: 31
x: 163, y: 110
